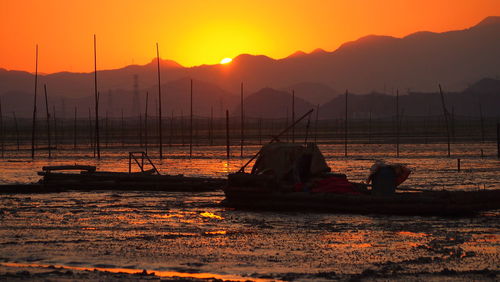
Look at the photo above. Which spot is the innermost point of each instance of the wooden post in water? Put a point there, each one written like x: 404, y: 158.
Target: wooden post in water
x: 159, y: 103
x: 97, y: 145
x: 56, y: 139
x: 397, y: 123
x: 171, y: 128
x: 33, y: 131
x: 17, y: 129
x: 445, y: 113
x: 146, y: 124
x: 370, y: 120
x: 345, y: 125
x: 481, y: 120
x: 458, y: 165
x: 242, y: 123
x: 498, y: 140
x: 122, y: 131
x: 211, y: 127
x: 106, y: 128
x: 227, y: 135
x: 48, y: 120
x: 293, y: 115
x: 91, y: 138
x: 316, y: 125
x: 191, y: 121
x: 140, y: 129
x: 182, y: 128
x: 74, y: 131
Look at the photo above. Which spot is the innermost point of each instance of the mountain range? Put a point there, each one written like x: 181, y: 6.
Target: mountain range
x: 378, y: 64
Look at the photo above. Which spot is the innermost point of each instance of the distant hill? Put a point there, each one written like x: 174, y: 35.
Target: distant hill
x: 271, y: 103
x: 485, y: 92
x: 175, y: 97
x: 314, y: 93
x: 417, y: 62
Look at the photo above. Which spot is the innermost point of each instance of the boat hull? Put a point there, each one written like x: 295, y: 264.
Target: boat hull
x: 439, y: 203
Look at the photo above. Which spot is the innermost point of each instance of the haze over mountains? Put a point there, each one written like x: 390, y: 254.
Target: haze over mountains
x: 418, y: 62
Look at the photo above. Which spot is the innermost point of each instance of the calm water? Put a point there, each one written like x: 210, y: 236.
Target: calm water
x: 192, y: 233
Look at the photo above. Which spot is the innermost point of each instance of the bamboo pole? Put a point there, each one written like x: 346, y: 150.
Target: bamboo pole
x: 97, y: 145
x: 33, y: 131
x: 242, y: 122
x: 211, y: 126
x: 481, y: 119
x: 17, y: 130
x: 106, y: 128
x: 227, y: 135
x: 286, y: 125
x: 498, y: 140
x: 56, y: 139
x: 182, y: 128
x: 48, y: 120
x: 316, y: 125
x: 445, y: 113
x: 345, y: 125
x: 74, y: 131
x: 397, y: 123
x: 293, y: 115
x: 140, y: 129
x: 191, y: 121
x: 91, y: 137
x: 370, y: 120
x: 172, y: 128
x: 159, y: 103
x: 146, y: 124
x: 122, y: 131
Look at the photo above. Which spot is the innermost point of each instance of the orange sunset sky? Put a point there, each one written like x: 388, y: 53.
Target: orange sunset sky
x: 204, y: 32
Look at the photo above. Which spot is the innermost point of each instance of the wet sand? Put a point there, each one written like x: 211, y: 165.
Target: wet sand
x: 65, y: 236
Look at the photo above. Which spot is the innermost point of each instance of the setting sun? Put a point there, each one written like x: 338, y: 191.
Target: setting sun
x: 226, y: 61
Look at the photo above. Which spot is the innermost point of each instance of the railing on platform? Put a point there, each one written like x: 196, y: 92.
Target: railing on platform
x: 140, y: 163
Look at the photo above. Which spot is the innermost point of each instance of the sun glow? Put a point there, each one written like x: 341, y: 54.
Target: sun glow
x: 226, y: 61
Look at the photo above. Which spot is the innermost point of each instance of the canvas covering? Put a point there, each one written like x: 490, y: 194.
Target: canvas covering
x: 281, y: 159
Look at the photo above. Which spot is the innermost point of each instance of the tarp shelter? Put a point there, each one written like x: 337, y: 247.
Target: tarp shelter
x: 285, y: 160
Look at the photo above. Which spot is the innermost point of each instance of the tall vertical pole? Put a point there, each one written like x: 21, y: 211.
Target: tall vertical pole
x: 172, y: 128
x: 17, y: 130
x: 97, y: 147
x: 370, y: 120
x: 293, y: 115
x: 122, y: 131
x: 227, y: 134
x: 242, y: 122
x: 482, y: 122
x: 211, y: 127
x: 445, y: 112
x: 146, y: 124
x: 316, y: 124
x: 159, y: 103
x: 498, y: 140
x: 48, y: 119
x: 106, y: 129
x: 91, y: 137
x: 74, y: 132
x: 34, y: 108
x: 191, y: 121
x: 345, y: 125
x: 56, y: 139
x: 397, y: 123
